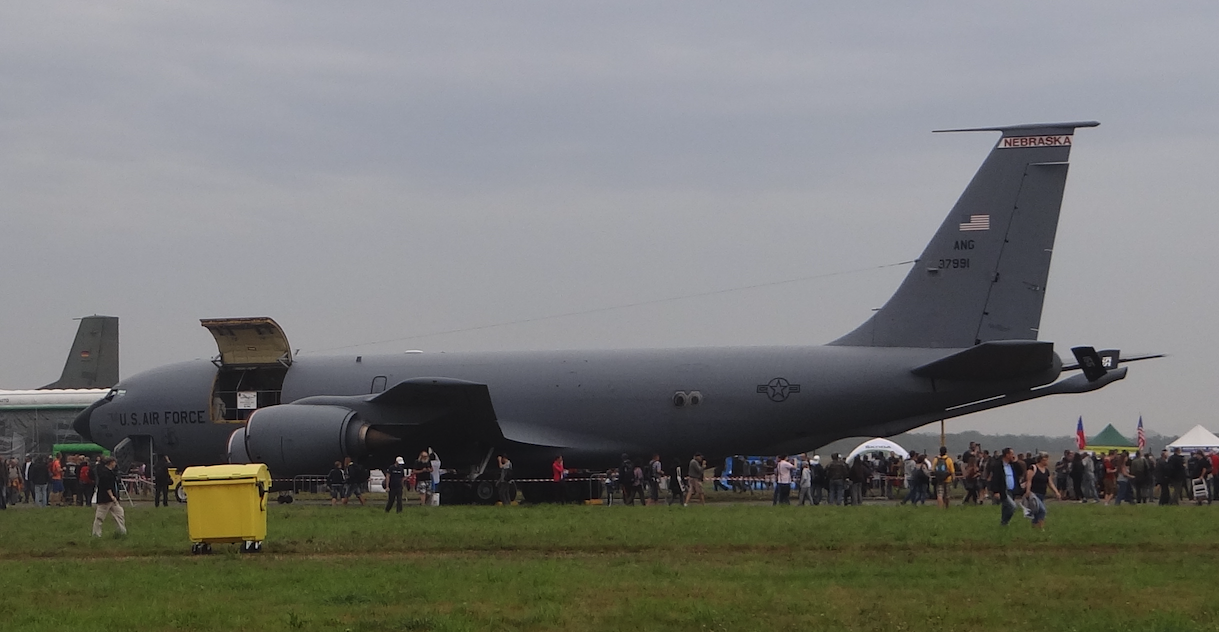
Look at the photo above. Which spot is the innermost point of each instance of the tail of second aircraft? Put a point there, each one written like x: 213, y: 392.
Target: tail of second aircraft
x: 93, y: 361
x: 983, y: 275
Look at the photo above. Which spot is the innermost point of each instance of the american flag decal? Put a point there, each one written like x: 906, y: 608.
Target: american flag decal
x: 976, y: 222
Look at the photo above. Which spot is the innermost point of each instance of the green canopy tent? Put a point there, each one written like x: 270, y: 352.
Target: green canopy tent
x: 1110, y: 439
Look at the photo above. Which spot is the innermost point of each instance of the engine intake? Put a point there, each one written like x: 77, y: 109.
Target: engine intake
x: 294, y: 439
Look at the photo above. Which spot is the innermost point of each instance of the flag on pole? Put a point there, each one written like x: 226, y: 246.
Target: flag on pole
x: 1142, y: 437
x: 1080, y: 440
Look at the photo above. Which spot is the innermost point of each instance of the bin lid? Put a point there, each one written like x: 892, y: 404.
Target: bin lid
x: 226, y: 472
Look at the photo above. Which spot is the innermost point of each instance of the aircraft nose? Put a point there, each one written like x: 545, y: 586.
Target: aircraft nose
x: 82, y: 422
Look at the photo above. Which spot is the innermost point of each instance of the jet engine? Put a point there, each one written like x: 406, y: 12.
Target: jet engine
x: 296, y: 439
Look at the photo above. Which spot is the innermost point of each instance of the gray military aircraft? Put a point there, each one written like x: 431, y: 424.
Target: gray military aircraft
x: 959, y: 336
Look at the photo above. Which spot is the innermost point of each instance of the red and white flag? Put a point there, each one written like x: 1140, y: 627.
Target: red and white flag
x: 1081, y: 441
x: 976, y: 222
x: 1142, y: 437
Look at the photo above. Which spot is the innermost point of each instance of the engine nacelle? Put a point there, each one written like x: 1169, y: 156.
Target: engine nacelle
x: 294, y: 439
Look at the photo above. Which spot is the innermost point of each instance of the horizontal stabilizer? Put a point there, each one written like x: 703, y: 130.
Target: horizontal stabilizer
x: 1115, y: 359
x: 996, y: 360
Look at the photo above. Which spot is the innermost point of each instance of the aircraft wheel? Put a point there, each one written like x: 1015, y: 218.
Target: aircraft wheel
x: 179, y: 493
x: 484, y: 491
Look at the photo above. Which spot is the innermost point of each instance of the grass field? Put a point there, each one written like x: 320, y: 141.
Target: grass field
x: 722, y: 567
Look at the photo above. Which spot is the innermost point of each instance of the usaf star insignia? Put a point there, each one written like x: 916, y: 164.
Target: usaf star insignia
x: 778, y: 389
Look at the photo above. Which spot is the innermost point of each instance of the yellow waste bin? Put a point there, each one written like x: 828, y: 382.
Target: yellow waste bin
x: 227, y: 503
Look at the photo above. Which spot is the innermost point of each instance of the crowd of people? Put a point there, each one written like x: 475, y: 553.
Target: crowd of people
x: 65, y: 480
x: 971, y: 478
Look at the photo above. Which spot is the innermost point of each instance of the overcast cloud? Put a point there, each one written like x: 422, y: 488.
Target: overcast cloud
x: 372, y: 172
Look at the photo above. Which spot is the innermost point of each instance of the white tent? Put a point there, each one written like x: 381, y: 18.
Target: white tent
x: 1198, y: 438
x: 879, y: 445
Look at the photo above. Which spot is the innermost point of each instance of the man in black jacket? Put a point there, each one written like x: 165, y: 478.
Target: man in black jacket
x: 1007, y: 483
x: 108, y: 499
x: 1176, y: 475
x: 161, y: 481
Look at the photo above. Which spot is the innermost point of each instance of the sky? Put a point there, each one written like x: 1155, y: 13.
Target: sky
x: 381, y: 172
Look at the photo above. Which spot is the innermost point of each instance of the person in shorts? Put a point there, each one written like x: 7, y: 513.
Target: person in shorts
x: 336, y: 480
x: 941, y: 474
x: 422, y: 468
x: 694, y: 479
x: 357, y: 478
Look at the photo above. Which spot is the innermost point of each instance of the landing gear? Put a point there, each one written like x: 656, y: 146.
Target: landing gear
x: 284, y: 499
x: 484, y: 491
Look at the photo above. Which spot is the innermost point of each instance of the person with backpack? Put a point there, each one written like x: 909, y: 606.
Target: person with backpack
x: 655, y: 473
x: 942, y: 470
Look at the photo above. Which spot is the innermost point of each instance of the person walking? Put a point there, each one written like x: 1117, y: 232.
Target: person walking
x: 422, y: 469
x: 806, y: 483
x: 357, y: 478
x: 336, y: 481
x: 1008, y: 484
x: 108, y: 499
x: 1036, y: 481
x: 971, y: 479
x: 695, y: 473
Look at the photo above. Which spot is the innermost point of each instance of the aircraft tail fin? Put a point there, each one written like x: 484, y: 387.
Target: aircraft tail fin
x: 982, y: 277
x: 93, y: 361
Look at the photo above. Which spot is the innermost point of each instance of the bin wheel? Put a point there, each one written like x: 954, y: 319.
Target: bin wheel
x: 206, y: 548
x: 247, y: 546
x: 180, y: 493
x: 195, y: 548
x: 258, y: 546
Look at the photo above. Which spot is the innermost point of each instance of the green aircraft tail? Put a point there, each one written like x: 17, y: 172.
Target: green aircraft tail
x: 93, y: 361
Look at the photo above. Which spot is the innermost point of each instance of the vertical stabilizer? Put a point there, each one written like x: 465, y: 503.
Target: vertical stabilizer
x: 94, y: 359
x: 983, y: 275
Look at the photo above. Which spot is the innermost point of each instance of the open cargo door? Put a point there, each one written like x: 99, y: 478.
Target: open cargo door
x: 249, y: 341
x: 253, y: 361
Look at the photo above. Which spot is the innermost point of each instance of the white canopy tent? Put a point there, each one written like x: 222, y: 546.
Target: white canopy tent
x: 1198, y: 438
x: 879, y: 445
